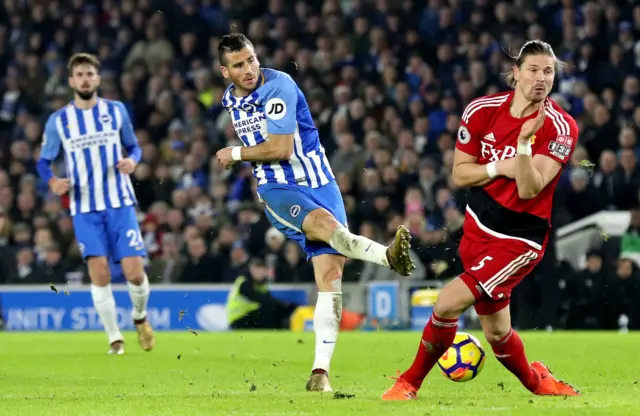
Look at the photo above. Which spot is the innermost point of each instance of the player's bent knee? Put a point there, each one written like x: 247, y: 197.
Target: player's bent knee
x: 330, y: 281
x: 495, y: 335
x: 453, y: 300
x: 133, y: 269
x: 448, y: 307
x: 319, y: 224
x: 495, y: 327
x: 328, y: 272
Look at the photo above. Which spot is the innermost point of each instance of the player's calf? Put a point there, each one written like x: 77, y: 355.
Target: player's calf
x: 320, y: 225
x: 437, y: 337
x: 102, y: 296
x: 138, y: 282
x: 505, y: 341
x: 326, y: 320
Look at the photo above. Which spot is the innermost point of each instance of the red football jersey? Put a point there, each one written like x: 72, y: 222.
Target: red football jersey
x: 489, y: 132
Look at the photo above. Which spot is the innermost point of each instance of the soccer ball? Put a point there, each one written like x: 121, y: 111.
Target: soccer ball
x: 464, y: 360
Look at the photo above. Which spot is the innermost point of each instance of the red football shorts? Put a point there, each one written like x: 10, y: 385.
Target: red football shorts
x: 494, y: 265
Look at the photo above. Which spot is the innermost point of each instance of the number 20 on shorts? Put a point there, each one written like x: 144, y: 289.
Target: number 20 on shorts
x: 135, y: 238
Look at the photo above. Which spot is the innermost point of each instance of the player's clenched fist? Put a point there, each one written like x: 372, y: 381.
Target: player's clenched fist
x: 126, y: 166
x: 225, y: 157
x: 59, y: 186
x: 530, y: 127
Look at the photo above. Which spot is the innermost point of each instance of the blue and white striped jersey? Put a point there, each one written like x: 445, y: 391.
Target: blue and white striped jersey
x: 92, y: 141
x: 278, y: 106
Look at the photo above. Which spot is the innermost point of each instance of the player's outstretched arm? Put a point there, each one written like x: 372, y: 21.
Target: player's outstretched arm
x: 467, y: 172
x: 48, y: 153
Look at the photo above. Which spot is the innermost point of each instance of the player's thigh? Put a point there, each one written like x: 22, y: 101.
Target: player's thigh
x: 311, y: 249
x: 320, y: 224
x: 91, y: 234
x: 124, y: 235
x: 330, y: 198
x: 99, y: 273
x: 286, y: 204
x: 327, y: 269
x: 313, y: 212
x: 454, y: 299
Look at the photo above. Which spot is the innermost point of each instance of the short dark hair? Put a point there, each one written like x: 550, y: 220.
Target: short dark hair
x: 257, y: 262
x: 233, y: 42
x: 532, y: 47
x: 83, y: 59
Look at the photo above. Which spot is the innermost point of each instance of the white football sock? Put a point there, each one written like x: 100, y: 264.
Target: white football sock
x: 105, y: 305
x: 139, y: 297
x: 358, y: 247
x: 326, y: 325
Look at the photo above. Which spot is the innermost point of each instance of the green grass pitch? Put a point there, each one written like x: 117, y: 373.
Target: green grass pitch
x: 264, y: 373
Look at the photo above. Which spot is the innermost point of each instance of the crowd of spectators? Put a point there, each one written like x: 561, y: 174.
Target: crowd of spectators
x: 386, y: 82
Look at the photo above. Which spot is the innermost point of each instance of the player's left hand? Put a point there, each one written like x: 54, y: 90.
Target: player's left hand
x: 530, y: 127
x: 224, y: 157
x: 126, y: 166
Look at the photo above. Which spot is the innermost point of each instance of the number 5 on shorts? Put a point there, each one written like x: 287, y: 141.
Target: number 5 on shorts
x: 480, y: 265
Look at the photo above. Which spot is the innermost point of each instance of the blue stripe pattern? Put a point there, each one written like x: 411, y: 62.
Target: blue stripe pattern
x: 88, y: 167
x: 103, y: 165
x: 308, y: 164
x: 268, y: 170
x: 76, y: 184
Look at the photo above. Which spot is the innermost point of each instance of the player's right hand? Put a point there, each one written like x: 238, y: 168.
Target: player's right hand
x: 530, y: 127
x: 225, y: 158
x: 59, y: 186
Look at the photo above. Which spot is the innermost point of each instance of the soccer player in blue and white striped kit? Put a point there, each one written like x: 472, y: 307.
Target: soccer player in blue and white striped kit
x: 92, y: 133
x: 297, y: 187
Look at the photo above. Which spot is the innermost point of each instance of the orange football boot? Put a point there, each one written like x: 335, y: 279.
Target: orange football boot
x: 401, y: 390
x: 551, y: 386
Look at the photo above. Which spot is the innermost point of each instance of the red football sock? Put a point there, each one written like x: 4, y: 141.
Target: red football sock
x: 437, y: 337
x: 510, y: 352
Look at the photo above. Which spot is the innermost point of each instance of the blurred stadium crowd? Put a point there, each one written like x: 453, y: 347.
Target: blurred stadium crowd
x: 386, y: 82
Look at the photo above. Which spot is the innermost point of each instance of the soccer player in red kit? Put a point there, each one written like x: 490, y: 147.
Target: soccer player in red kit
x: 510, y: 150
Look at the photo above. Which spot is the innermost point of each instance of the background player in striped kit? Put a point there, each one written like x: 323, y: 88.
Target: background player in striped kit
x: 92, y: 132
x: 296, y: 185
